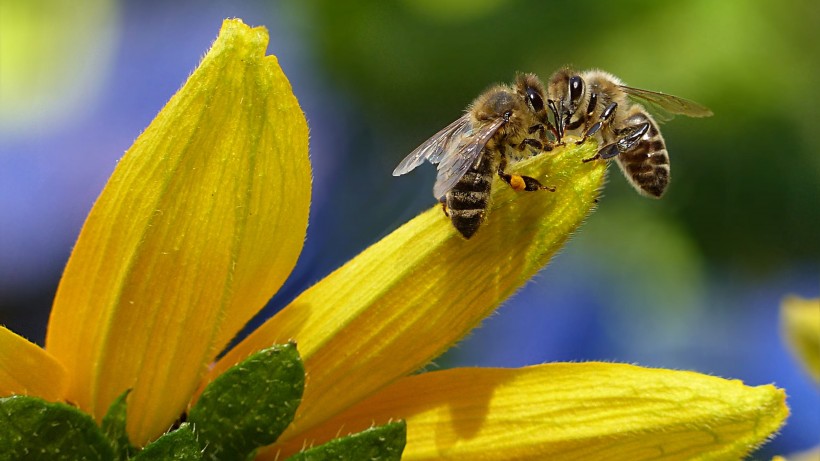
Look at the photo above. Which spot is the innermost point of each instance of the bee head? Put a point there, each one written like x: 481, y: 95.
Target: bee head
x: 566, y: 91
x: 529, y: 87
x: 506, y: 104
x: 576, y: 92
x: 499, y: 102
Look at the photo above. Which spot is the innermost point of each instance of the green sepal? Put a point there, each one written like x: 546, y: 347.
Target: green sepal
x: 34, y: 429
x: 249, y: 405
x: 113, y: 426
x: 381, y: 443
x: 178, y: 445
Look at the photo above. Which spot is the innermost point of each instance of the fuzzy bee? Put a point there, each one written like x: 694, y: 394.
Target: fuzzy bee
x: 503, y: 124
x: 596, y: 103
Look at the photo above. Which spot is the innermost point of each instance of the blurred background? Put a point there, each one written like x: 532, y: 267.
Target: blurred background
x: 693, y: 281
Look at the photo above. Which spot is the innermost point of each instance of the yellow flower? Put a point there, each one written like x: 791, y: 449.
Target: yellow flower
x: 800, y: 326
x: 204, y: 218
x: 800, y: 322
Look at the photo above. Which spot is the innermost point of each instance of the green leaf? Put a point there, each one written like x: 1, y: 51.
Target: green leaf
x: 113, y: 426
x: 250, y: 404
x: 375, y: 444
x: 180, y: 445
x: 34, y: 429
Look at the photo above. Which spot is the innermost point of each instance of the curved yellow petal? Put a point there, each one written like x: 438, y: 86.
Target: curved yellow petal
x: 198, y: 226
x: 566, y: 411
x: 800, y: 322
x: 409, y: 297
x: 26, y: 368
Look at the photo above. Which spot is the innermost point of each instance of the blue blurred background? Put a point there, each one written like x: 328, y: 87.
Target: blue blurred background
x: 693, y: 281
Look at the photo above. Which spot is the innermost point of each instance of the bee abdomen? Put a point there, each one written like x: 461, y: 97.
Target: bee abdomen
x: 647, y: 166
x: 474, y: 181
x: 467, y: 201
x: 467, y: 222
x: 467, y: 209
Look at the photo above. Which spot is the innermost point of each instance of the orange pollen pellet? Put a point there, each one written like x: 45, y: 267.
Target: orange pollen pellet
x: 517, y: 182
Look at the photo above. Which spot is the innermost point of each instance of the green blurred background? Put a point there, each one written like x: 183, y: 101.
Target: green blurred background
x: 690, y: 281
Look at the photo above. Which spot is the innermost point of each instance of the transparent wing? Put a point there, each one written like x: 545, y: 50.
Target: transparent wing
x: 665, y: 106
x: 459, y: 157
x: 435, y: 148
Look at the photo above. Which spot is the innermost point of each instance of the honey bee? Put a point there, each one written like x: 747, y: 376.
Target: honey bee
x: 596, y: 103
x: 501, y: 125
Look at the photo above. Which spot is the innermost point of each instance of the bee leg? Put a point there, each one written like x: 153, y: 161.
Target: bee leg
x: 594, y: 157
x: 530, y: 184
x: 604, y: 120
x: 535, y: 145
x: 622, y: 144
x: 592, y: 104
x: 541, y: 129
x: 608, y: 151
x: 519, y: 182
x: 443, y: 202
x: 632, y: 137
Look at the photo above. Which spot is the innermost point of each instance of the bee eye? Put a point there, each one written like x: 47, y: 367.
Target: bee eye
x: 535, y: 100
x: 576, y: 89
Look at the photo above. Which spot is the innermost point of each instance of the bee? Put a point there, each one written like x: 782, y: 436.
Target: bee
x: 596, y: 103
x: 502, y: 124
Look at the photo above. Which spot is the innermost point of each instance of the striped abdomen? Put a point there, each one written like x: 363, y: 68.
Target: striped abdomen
x: 468, y: 200
x: 646, y: 164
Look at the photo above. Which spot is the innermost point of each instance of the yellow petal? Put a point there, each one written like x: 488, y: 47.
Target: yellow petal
x: 800, y: 321
x: 198, y: 226
x: 812, y: 454
x: 25, y: 368
x: 409, y: 297
x: 567, y: 412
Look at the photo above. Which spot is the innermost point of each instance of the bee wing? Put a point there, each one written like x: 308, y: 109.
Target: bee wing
x: 460, y: 156
x: 436, y: 147
x: 665, y: 106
